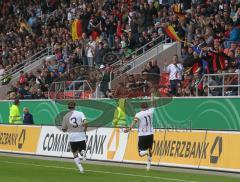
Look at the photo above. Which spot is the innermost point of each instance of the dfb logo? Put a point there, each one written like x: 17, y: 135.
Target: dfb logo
x: 216, y: 150
x: 21, y: 138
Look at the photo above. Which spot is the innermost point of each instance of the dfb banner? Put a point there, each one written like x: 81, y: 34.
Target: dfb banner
x: 20, y: 139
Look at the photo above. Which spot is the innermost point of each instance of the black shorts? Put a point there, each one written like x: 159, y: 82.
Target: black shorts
x: 145, y: 142
x: 78, y: 146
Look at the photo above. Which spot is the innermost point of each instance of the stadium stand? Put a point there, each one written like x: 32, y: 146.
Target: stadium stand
x: 98, y: 33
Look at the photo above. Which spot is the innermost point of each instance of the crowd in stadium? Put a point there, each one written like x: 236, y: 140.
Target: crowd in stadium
x: 82, y: 32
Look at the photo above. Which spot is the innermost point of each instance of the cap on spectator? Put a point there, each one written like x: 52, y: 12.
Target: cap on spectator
x: 102, y: 66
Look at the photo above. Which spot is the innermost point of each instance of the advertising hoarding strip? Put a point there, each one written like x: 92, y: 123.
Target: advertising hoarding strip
x: 164, y: 138
x: 195, y: 149
x: 22, y: 139
x: 205, y: 138
x: 219, y: 169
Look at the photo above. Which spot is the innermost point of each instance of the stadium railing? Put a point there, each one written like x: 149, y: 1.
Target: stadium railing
x: 15, y: 69
x: 222, y: 84
x: 70, y: 90
x: 162, y: 52
x: 126, y: 63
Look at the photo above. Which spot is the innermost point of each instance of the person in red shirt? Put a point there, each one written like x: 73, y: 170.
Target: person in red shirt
x: 119, y: 29
x: 22, y: 78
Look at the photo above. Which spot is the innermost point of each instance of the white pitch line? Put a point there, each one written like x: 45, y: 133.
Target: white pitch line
x: 102, y: 172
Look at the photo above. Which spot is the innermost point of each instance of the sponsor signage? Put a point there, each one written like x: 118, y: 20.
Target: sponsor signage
x: 22, y: 139
x: 223, y: 151
x: 102, y: 143
x: 131, y: 152
x: 181, y: 148
x: 195, y: 149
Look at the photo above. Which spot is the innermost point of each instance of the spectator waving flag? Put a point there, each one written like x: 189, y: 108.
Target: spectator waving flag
x: 180, y: 14
x: 76, y: 29
x: 171, y: 33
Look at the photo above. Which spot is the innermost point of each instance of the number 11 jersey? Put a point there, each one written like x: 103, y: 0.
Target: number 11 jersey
x: 145, y: 122
x: 73, y: 122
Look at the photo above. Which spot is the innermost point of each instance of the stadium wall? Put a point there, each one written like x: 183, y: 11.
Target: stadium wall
x: 173, y: 113
x: 214, y: 150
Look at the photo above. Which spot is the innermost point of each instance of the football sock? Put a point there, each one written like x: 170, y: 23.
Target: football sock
x: 149, y: 159
x: 77, y: 161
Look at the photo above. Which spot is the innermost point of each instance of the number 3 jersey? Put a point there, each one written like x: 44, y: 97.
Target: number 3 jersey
x: 73, y: 122
x: 145, y: 119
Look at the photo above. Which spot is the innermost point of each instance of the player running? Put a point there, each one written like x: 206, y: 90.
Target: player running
x: 144, y: 119
x: 75, y: 123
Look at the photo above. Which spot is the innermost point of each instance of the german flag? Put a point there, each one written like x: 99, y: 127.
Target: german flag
x: 171, y: 33
x: 76, y: 29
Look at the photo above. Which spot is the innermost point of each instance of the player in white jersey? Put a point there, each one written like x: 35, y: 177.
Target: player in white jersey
x: 144, y: 118
x: 75, y: 123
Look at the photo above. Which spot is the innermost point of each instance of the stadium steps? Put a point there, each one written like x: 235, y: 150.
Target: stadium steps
x: 162, y: 52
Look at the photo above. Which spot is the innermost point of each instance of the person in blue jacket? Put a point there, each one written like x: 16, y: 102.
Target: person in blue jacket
x: 234, y: 36
x: 27, y: 117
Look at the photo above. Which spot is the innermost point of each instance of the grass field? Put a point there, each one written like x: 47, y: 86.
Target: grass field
x: 16, y: 169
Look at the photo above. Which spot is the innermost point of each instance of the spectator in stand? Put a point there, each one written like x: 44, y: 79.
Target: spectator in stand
x: 234, y: 34
x: 154, y: 73
x: 120, y: 91
x: 22, y: 78
x: 2, y: 71
x: 91, y: 51
x: 175, y: 71
x: 29, y: 26
x: 99, y: 52
x: 109, y: 94
x: 105, y: 79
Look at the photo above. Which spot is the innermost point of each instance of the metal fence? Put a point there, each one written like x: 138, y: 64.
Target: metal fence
x: 45, y: 52
x: 70, y: 90
x: 126, y: 63
x: 223, y: 84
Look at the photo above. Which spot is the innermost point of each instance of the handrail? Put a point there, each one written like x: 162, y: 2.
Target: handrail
x: 30, y: 60
x: 143, y: 49
x: 123, y: 67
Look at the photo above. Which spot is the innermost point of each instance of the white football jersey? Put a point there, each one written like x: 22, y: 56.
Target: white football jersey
x: 73, y: 122
x: 145, y: 122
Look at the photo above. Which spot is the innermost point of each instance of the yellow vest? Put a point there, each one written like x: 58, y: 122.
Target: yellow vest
x: 119, y: 119
x: 14, y: 115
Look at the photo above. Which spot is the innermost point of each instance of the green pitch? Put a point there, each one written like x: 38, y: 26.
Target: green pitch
x: 14, y: 169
